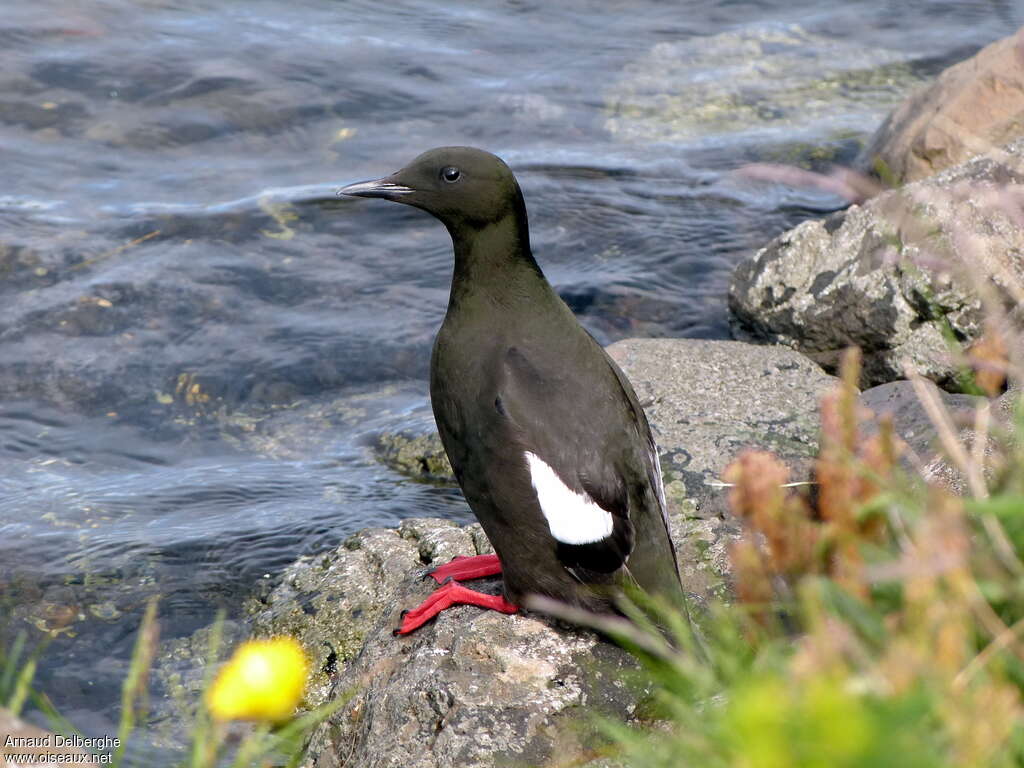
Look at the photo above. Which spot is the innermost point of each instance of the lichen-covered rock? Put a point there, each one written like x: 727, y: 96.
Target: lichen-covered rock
x: 419, y: 456
x: 971, y: 108
x: 895, y: 275
x: 475, y: 690
x: 330, y: 602
x: 706, y: 402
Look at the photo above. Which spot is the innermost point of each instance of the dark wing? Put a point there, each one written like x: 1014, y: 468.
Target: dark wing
x: 651, y: 463
x: 578, y: 435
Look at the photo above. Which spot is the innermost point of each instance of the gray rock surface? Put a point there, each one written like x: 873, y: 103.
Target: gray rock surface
x: 910, y: 421
x: 707, y: 401
x: 914, y: 427
x: 890, y: 275
x: 971, y: 108
x: 940, y: 470
x: 477, y: 689
x: 474, y: 688
x: 331, y: 602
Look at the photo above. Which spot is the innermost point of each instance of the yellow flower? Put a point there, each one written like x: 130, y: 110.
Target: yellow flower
x: 263, y: 680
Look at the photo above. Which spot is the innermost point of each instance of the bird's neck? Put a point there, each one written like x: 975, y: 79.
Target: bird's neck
x: 494, y: 264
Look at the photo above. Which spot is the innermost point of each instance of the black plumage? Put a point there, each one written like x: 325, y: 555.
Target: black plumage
x: 514, y: 375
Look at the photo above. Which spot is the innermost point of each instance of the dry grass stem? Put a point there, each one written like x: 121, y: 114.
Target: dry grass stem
x: 982, y: 421
x: 116, y: 251
x: 943, y: 424
x: 999, y: 642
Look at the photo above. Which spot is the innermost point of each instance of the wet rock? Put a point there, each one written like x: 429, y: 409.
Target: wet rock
x: 893, y: 276
x: 973, y: 107
x: 748, y: 79
x: 312, y: 427
x: 419, y: 456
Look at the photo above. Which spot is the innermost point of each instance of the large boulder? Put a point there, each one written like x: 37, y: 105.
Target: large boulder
x: 477, y: 689
x: 971, y: 108
x: 896, y: 276
x: 706, y: 402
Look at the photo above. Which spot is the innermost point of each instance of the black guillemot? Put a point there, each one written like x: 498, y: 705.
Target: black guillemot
x: 547, y: 439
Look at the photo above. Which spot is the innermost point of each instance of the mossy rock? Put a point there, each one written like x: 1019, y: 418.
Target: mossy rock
x: 420, y: 457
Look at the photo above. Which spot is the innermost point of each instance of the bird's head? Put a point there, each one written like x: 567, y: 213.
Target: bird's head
x: 466, y: 188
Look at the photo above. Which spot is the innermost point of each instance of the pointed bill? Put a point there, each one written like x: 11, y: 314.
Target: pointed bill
x: 385, y: 188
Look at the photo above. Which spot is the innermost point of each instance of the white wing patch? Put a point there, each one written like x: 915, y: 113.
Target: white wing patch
x: 573, y: 518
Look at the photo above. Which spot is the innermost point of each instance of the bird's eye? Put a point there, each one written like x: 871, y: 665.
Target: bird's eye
x: 450, y: 174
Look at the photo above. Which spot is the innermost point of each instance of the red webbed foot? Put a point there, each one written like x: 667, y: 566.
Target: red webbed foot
x: 450, y: 594
x: 462, y: 568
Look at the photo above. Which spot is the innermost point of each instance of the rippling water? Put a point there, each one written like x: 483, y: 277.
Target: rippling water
x: 199, y: 345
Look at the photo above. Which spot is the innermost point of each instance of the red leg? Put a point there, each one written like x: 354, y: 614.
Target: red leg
x: 451, y: 594
x: 462, y: 568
